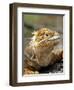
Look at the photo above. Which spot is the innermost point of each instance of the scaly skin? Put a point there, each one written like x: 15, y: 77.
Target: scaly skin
x: 41, y: 52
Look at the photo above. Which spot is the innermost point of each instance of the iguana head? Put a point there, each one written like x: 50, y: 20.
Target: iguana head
x: 44, y: 37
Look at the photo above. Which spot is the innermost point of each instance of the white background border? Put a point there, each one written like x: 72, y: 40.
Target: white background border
x: 4, y: 46
x: 51, y: 77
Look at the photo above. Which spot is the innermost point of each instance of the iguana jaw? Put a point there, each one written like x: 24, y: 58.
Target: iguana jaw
x: 54, y: 37
x: 51, y: 38
x: 35, y: 43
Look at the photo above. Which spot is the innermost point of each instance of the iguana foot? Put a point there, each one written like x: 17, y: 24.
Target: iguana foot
x: 29, y: 71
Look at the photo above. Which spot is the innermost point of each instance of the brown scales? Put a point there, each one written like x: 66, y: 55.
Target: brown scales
x: 41, y: 52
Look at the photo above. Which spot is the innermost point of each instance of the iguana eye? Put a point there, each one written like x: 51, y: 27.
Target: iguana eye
x: 46, y: 34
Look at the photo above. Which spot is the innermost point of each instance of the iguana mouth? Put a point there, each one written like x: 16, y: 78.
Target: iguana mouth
x: 51, y: 38
x: 54, y: 37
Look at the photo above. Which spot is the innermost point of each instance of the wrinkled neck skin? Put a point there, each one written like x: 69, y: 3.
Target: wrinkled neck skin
x: 43, y: 51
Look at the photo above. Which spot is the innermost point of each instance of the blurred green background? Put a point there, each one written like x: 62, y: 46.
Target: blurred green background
x: 33, y: 22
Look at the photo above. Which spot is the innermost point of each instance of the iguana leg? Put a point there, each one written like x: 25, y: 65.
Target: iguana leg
x: 57, y: 55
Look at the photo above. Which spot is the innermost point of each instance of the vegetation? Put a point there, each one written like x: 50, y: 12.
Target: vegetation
x: 33, y: 22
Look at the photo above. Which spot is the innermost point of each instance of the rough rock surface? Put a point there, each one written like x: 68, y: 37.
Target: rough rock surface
x: 56, y: 68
